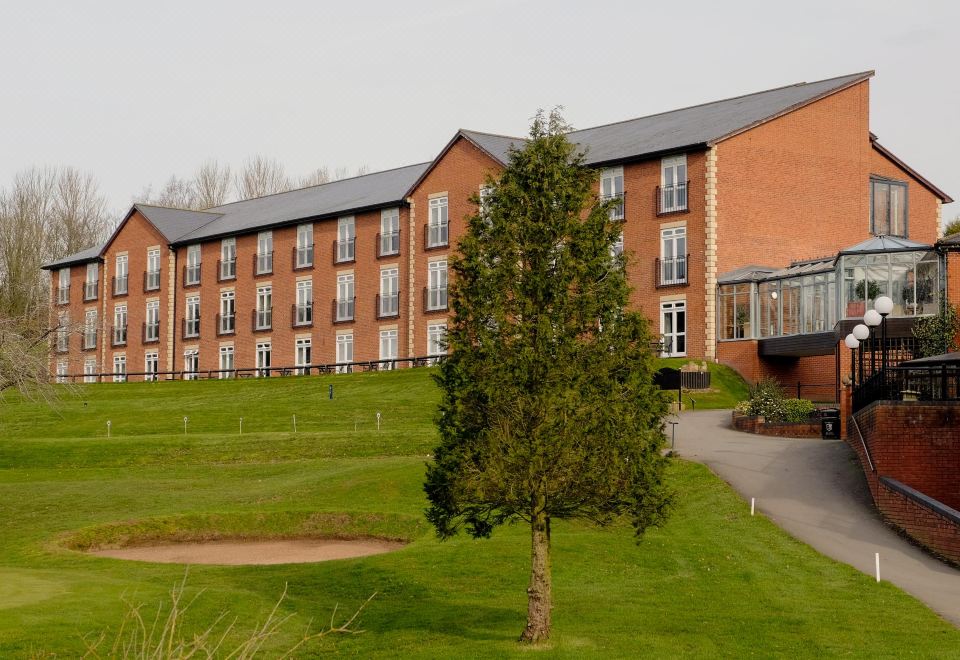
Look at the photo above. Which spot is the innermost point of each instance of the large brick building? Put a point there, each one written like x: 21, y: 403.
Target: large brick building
x: 757, y: 229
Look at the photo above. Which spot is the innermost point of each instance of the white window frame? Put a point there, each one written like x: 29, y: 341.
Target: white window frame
x: 611, y: 187
x: 63, y: 332
x: 228, y: 258
x: 344, y: 352
x: 303, y: 254
x: 389, y: 292
x: 191, y: 363
x: 264, y: 252
x: 90, y: 322
x: 673, y: 256
x: 436, y: 285
x: 121, y: 330
x: 346, y: 296
x: 93, y: 278
x: 120, y: 368
x: 438, y: 228
x: 151, y: 365
x: 153, y: 270
x: 264, y: 357
x: 436, y: 334
x: 264, y: 311
x: 303, y: 354
x: 192, y: 316
x: 389, y: 231
x: 62, y: 371
x: 89, y: 369
x: 303, y: 314
x: 672, y: 309
x: 227, y: 362
x: 346, y: 239
x: 152, y: 320
x: 389, y: 344
x: 673, y: 184
x: 228, y: 303
x: 192, y: 276
x: 63, y: 286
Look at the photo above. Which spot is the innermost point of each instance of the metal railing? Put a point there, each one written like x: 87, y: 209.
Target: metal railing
x: 671, y: 272
x: 388, y: 244
x: 673, y: 198
x: 191, y: 275
x: 63, y: 295
x: 301, y: 315
x: 388, y: 305
x: 191, y: 328
x: 303, y: 257
x: 151, y: 332
x: 262, y: 319
x: 343, y: 310
x: 928, y: 383
x: 434, y: 298
x: 120, y: 285
x: 119, y: 336
x: 263, y: 263
x: 616, y: 209
x: 226, y: 324
x: 436, y: 236
x: 151, y: 280
x: 226, y: 269
x: 90, y: 291
x: 344, y: 250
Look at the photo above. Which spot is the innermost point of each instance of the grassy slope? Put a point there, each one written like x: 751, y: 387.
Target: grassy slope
x: 726, y: 386
x: 714, y: 581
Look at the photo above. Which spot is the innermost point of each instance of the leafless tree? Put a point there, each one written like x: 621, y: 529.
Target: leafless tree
x: 316, y: 177
x: 80, y: 217
x: 261, y: 176
x: 24, y: 358
x: 211, y: 185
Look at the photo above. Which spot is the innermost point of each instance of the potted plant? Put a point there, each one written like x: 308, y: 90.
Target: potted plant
x: 856, y: 308
x: 742, y: 318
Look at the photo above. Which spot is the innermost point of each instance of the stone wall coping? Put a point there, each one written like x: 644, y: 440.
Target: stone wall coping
x: 923, y: 500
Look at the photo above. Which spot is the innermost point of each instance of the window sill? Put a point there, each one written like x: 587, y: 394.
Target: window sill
x: 387, y: 255
x: 442, y: 246
x: 660, y: 214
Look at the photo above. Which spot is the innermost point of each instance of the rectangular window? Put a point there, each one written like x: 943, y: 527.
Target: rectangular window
x: 734, y: 304
x: 120, y: 325
x: 436, y: 340
x: 226, y: 320
x: 345, y: 247
x: 63, y: 286
x: 672, y: 269
x: 438, y: 230
x: 191, y: 272
x: 263, y: 316
x: 673, y: 184
x: 389, y: 232
x: 345, y: 298
x: 63, y: 332
x: 228, y: 259
x: 120, y: 280
x: 151, y: 365
x: 89, y: 370
x: 673, y: 328
x: 119, y: 368
x: 303, y: 254
x: 304, y: 354
x: 388, y: 349
x: 151, y: 327
x: 61, y: 372
x: 191, y: 322
x: 611, y: 189
x: 436, y: 293
x: 90, y: 329
x: 90, y: 285
x: 388, y: 304
x: 264, y: 351
x: 191, y: 364
x: 264, y: 258
x: 344, y: 353
x: 152, y: 278
x: 888, y: 208
x: 226, y: 362
x: 303, y: 309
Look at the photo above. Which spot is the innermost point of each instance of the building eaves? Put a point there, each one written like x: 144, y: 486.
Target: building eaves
x: 83, y: 256
x: 889, y: 155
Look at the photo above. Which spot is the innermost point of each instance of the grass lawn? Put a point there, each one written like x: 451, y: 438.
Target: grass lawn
x: 726, y: 386
x: 712, y: 582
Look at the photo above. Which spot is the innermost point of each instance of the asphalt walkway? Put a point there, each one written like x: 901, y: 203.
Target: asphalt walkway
x: 816, y: 491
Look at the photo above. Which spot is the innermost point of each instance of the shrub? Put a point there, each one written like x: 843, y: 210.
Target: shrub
x: 766, y: 399
x: 936, y: 334
x: 797, y: 410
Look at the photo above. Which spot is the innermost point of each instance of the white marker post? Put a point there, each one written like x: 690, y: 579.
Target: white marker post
x: 876, y: 558
x: 294, y: 423
x: 753, y: 502
x: 378, y: 420
x: 241, y: 426
x: 108, y: 428
x: 185, y: 424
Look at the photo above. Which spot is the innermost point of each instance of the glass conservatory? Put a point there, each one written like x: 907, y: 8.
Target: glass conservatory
x: 811, y: 297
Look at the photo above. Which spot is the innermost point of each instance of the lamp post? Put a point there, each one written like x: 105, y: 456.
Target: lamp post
x: 852, y: 343
x: 860, y: 333
x: 883, y: 305
x: 872, y: 320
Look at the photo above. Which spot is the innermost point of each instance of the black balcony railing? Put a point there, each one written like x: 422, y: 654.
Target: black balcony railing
x: 190, y: 328
x: 388, y: 245
x: 151, y: 280
x: 616, y: 205
x: 63, y: 295
x: 90, y: 291
x: 343, y: 309
x: 671, y: 272
x: 933, y: 383
x: 436, y: 236
x: 301, y: 316
x: 434, y: 298
x: 303, y: 257
x: 344, y: 250
x: 119, y: 285
x: 673, y: 198
x: 151, y: 332
x: 388, y: 305
x: 191, y: 275
x: 263, y: 263
x: 226, y: 324
x: 226, y: 269
x: 262, y: 319
x: 119, y: 336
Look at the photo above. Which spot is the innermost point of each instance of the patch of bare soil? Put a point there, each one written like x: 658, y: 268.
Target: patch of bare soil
x: 239, y: 553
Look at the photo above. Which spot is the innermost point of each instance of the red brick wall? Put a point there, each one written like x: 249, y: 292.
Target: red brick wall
x: 75, y: 309
x: 932, y: 529
x: 817, y: 374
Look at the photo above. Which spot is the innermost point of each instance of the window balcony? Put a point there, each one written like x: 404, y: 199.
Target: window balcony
x: 151, y: 332
x: 226, y: 269
x: 388, y: 245
x: 262, y: 319
x: 617, y: 205
x: 673, y: 198
x: 226, y: 324
x: 191, y: 275
x: 671, y: 272
x: 436, y: 236
x: 151, y: 280
x: 90, y: 291
x: 434, y: 298
x: 303, y: 257
x: 301, y: 315
x: 120, y: 285
x: 119, y: 336
x: 191, y: 328
x: 263, y: 263
x: 63, y: 295
x: 89, y: 340
x: 343, y: 309
x: 388, y: 305
x: 344, y: 250
x: 63, y: 342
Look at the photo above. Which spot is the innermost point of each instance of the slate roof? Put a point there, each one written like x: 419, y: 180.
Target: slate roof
x: 174, y: 223
x: 369, y: 191
x: 933, y: 360
x: 751, y: 273
x: 80, y: 257
x: 885, y: 244
x: 952, y: 241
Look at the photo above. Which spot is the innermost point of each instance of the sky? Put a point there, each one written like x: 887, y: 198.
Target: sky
x: 136, y: 92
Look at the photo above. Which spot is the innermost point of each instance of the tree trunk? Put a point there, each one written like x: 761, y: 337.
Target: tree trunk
x: 538, y: 593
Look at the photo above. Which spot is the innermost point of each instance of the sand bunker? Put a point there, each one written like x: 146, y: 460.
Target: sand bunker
x: 237, y: 553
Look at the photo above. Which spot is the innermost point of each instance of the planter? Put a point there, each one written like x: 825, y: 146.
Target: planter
x: 760, y: 426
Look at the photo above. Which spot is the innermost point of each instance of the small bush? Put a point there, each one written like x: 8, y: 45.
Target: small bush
x: 767, y: 401
x: 797, y: 410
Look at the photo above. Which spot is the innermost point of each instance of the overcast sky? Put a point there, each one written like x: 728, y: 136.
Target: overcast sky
x: 134, y: 93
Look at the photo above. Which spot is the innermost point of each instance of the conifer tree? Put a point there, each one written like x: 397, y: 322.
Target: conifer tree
x: 548, y: 406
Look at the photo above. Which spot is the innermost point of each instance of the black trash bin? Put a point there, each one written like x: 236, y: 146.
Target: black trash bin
x: 830, y: 424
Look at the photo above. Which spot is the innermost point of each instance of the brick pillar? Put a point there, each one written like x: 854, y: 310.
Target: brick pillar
x: 846, y: 409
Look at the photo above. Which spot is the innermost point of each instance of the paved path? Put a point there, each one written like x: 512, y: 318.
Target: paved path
x: 815, y: 490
